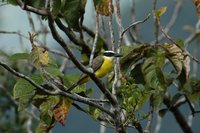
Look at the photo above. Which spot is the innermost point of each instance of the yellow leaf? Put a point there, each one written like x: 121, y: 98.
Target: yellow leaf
x: 160, y: 11
x: 39, y: 56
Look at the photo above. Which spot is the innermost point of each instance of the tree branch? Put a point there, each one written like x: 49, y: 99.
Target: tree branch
x: 178, y: 115
x: 98, y: 82
x: 57, y: 91
x: 42, y: 12
x: 72, y: 36
x: 95, y: 40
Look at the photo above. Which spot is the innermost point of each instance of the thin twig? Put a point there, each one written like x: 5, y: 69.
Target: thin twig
x: 190, y: 105
x: 158, y: 124
x: 73, y: 37
x: 156, y: 24
x: 57, y: 91
x: 136, y: 23
x: 31, y: 23
x: 173, y: 18
x: 111, y: 25
x: 178, y: 115
x: 98, y: 82
x: 38, y: 11
x: 150, y: 117
x: 183, y: 50
x: 95, y: 40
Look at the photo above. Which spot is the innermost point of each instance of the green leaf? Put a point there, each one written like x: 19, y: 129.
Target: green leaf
x: 73, y: 11
x: 192, y: 89
x: 132, y: 54
x: 53, y: 71
x: 136, y: 74
x: 133, y: 96
x: 19, y: 56
x: 24, y: 91
x: 70, y: 79
x: 152, y: 72
x: 46, y: 109
x: 13, y: 2
x: 162, y: 112
x: 24, y: 101
x: 56, y: 7
x: 95, y: 112
x: 160, y: 11
x: 23, y: 87
x: 180, y: 42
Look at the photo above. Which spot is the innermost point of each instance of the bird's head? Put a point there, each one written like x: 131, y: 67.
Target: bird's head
x: 111, y: 54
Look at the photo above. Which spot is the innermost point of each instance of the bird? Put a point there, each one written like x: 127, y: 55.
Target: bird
x: 101, y: 65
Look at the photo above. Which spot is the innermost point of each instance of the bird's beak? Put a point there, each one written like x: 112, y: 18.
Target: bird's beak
x: 117, y: 55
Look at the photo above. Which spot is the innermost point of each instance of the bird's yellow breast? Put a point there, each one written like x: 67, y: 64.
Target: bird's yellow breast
x: 105, y: 68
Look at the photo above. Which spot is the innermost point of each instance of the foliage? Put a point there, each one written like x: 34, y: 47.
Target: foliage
x: 147, y: 72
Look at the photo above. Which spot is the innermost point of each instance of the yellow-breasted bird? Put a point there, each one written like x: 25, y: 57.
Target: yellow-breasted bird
x: 101, y: 65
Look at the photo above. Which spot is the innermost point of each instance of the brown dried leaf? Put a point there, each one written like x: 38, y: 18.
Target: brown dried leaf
x: 197, y: 4
x: 103, y: 8
x: 61, y: 110
x: 180, y: 61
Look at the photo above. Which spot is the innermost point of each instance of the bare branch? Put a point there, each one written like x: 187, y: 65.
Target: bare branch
x: 170, y: 39
x: 173, y: 18
x: 57, y: 91
x: 150, y: 117
x: 156, y: 24
x: 95, y: 40
x: 178, y: 115
x: 43, y: 12
x: 136, y: 23
x: 73, y: 37
x: 111, y: 25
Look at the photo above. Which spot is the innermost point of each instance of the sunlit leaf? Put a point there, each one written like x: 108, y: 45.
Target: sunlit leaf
x: 39, y: 56
x: 95, y: 112
x: 160, y: 11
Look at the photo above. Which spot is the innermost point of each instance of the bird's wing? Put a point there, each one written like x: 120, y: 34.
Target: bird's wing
x: 97, y: 62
